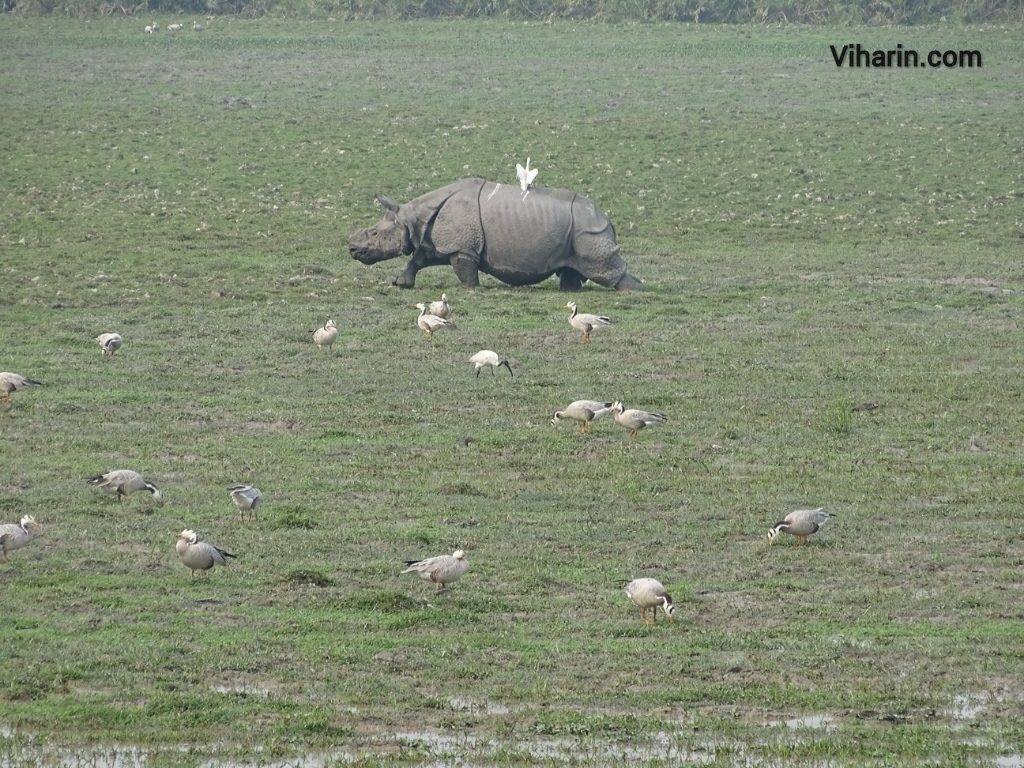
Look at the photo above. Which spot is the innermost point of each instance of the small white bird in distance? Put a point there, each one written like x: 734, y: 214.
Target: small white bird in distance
x: 800, y: 523
x: 17, y: 535
x: 526, y: 176
x: 173, y: 27
x: 487, y: 358
x: 325, y: 337
x: 197, y: 27
x: 247, y: 499
x: 442, y: 570
x: 12, y: 382
x: 110, y: 343
x: 198, y: 555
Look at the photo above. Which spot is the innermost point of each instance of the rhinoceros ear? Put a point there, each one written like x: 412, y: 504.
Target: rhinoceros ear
x: 388, y: 203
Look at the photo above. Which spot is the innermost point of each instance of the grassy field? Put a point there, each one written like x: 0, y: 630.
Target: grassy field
x: 811, y: 238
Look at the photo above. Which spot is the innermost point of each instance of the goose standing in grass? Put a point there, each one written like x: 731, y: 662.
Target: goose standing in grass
x: 247, y: 499
x: 173, y: 27
x: 800, y: 523
x: 635, y: 420
x: 430, y: 323
x: 650, y: 593
x: 440, y: 308
x: 325, y: 337
x: 17, y: 535
x: 584, y: 411
x: 585, y: 323
x: 487, y: 358
x: 198, y: 555
x: 197, y: 27
x: 12, y: 382
x: 442, y: 570
x: 110, y: 343
x: 124, y: 482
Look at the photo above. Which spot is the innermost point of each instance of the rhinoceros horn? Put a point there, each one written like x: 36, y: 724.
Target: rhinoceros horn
x: 388, y: 203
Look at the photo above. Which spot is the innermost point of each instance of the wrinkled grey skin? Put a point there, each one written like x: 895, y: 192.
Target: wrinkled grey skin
x: 479, y: 226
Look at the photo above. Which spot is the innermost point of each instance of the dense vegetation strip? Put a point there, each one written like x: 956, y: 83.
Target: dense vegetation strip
x: 875, y: 12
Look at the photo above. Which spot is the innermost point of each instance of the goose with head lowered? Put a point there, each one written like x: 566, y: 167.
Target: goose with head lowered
x: 125, y: 482
x: 109, y: 343
x: 650, y: 594
x: 246, y: 499
x: 13, y: 382
x: 586, y: 412
x: 441, y: 570
x: 800, y: 523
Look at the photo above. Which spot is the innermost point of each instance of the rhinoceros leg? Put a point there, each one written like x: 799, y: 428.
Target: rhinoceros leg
x: 408, y: 277
x: 569, y: 280
x: 420, y: 261
x: 467, y: 270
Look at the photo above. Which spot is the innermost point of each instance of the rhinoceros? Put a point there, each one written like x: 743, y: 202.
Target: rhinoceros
x: 481, y: 226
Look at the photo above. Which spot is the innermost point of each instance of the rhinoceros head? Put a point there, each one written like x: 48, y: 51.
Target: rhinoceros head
x: 386, y: 239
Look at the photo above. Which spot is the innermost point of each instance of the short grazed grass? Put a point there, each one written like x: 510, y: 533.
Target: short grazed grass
x: 812, y: 239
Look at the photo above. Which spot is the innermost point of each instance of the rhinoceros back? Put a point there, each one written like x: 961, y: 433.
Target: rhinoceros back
x: 523, y: 240
x: 535, y: 230
x: 518, y: 241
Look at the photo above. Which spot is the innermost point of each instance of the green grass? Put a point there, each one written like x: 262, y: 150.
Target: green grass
x: 811, y: 239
